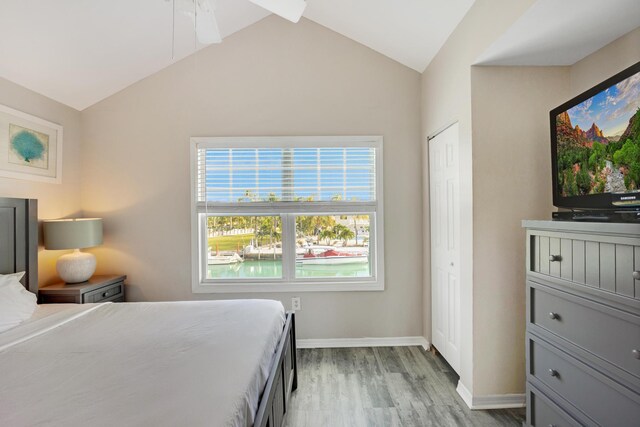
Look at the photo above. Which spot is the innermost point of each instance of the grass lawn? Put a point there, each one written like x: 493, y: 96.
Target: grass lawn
x: 230, y: 243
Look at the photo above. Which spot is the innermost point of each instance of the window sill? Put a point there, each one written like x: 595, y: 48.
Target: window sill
x: 258, y: 287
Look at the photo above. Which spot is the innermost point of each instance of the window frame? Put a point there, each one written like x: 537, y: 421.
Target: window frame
x: 288, y: 212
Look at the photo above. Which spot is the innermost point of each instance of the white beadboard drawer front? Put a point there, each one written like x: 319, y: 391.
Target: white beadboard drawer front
x: 596, y: 396
x: 610, y: 334
x: 545, y: 413
x: 609, y: 264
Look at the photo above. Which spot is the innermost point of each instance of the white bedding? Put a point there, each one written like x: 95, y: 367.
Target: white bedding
x: 139, y: 364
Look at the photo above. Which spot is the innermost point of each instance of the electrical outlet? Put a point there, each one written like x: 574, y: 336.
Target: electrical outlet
x: 295, y: 304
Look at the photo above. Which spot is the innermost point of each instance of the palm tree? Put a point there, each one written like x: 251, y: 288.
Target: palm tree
x: 249, y: 196
x: 304, y: 225
x: 328, y: 234
x: 272, y: 198
x: 343, y: 233
x: 356, y: 218
x: 265, y: 229
x: 312, y: 225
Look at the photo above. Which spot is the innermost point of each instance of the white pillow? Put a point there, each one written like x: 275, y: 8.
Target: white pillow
x: 17, y: 275
x: 16, y: 303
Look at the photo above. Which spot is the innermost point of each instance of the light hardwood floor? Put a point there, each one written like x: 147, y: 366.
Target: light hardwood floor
x: 383, y: 386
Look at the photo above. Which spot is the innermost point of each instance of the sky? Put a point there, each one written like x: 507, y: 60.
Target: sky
x: 611, y: 109
x: 321, y: 173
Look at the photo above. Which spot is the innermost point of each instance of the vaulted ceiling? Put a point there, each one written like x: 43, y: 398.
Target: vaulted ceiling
x: 81, y: 51
x: 553, y: 32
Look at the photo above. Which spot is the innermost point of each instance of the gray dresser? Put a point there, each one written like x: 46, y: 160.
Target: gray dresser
x: 583, y: 324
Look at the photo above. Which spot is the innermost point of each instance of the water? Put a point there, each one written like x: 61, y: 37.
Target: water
x: 273, y: 269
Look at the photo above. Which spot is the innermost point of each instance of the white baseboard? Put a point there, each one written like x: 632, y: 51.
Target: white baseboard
x: 465, y: 394
x: 364, y: 342
x: 496, y: 401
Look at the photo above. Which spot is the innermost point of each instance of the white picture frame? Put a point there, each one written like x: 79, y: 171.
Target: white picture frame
x: 30, y: 147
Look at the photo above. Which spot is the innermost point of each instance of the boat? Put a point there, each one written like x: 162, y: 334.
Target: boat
x: 224, y: 259
x: 330, y: 256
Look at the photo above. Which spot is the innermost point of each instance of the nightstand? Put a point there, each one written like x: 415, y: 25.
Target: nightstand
x: 96, y: 289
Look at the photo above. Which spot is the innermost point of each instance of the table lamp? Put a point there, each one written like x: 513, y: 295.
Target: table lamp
x: 74, y: 234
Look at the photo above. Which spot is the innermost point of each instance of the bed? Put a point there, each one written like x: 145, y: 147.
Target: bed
x: 217, y: 363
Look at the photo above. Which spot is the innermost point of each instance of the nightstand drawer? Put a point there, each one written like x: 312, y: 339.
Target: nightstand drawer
x: 598, y: 397
x: 610, y: 334
x: 108, y: 293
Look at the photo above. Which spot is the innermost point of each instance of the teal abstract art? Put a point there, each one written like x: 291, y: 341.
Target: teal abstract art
x: 28, y: 147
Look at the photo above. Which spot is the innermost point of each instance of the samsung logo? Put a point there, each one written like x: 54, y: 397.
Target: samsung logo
x: 628, y: 198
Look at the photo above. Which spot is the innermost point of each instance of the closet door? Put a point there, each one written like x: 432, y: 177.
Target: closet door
x: 444, y: 183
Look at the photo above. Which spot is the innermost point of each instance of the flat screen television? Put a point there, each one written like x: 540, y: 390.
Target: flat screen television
x: 595, y: 146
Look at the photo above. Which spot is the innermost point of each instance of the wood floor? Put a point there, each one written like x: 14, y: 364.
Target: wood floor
x: 383, y: 386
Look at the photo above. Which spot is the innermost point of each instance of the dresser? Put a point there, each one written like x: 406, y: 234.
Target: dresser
x: 583, y: 324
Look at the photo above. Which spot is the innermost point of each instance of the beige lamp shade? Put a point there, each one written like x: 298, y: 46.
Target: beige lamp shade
x: 72, y: 233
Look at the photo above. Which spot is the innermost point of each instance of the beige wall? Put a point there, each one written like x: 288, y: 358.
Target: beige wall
x: 273, y: 78
x: 504, y: 133
x: 606, y: 62
x: 511, y: 182
x: 446, y: 98
x: 511, y: 139
x: 54, y: 200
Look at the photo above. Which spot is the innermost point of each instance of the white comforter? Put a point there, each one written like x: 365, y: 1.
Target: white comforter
x: 139, y: 364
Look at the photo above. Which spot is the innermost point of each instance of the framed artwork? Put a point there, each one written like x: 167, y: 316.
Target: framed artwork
x: 30, y: 147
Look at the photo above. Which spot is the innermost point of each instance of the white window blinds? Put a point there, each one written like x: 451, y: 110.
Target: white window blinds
x: 304, y: 174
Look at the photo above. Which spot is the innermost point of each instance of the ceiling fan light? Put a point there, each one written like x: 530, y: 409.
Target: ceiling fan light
x: 288, y: 9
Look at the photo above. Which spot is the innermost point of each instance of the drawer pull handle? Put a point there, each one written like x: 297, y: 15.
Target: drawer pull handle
x: 554, y: 258
x: 553, y: 373
x: 554, y: 316
x: 636, y: 275
x: 105, y: 294
x: 636, y: 353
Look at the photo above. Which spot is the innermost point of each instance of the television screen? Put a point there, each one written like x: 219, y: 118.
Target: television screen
x: 596, y: 144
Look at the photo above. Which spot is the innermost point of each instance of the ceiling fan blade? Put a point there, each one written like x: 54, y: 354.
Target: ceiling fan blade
x: 207, y: 30
x: 288, y: 9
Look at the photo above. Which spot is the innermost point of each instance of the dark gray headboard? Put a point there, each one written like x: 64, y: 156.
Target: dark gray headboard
x: 19, y: 239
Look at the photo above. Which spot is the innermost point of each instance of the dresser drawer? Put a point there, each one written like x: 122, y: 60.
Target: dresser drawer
x: 545, y: 413
x: 605, y: 265
x: 610, y: 334
x: 596, y: 396
x: 108, y: 293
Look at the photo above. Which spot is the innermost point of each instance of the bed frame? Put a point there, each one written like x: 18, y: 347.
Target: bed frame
x: 19, y: 252
x: 19, y: 239
x: 283, y: 379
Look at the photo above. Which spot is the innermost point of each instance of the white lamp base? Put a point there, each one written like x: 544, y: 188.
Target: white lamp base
x: 76, y: 267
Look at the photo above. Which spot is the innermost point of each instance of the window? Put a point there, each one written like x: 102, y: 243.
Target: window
x: 287, y: 213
